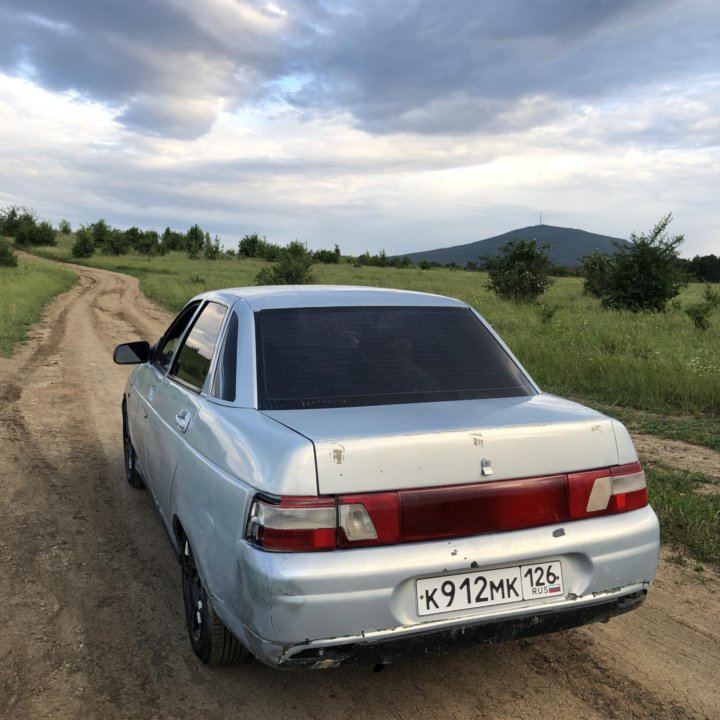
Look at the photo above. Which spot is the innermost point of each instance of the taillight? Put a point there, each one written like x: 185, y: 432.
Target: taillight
x: 482, y: 507
x: 306, y: 524
x: 294, y: 524
x: 371, y: 519
x: 604, y: 492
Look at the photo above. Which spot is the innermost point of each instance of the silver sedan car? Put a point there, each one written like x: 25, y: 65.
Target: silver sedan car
x: 354, y: 473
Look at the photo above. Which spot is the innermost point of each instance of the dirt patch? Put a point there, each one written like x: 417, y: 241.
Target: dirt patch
x: 94, y: 624
x: 676, y: 453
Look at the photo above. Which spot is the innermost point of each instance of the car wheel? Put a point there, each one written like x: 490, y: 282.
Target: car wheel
x: 212, y: 642
x: 131, y: 472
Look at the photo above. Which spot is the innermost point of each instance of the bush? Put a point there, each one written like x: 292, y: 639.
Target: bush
x: 596, y: 269
x: 294, y: 267
x: 520, y: 272
x: 30, y: 232
x: 116, y: 243
x: 7, y: 256
x: 13, y: 216
x: 84, y: 245
x: 65, y: 227
x: 645, y: 275
x: 330, y: 257
x: 173, y: 240
x: 148, y: 243
x: 700, y: 312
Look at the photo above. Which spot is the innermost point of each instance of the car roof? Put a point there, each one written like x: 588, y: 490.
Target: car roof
x: 266, y: 297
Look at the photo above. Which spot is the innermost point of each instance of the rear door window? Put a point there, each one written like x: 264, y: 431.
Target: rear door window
x: 352, y: 356
x: 192, y: 363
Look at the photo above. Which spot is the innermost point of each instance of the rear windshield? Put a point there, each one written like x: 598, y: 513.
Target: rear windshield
x: 351, y: 356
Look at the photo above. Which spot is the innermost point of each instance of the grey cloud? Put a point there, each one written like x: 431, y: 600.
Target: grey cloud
x: 394, y: 71
x: 419, y: 66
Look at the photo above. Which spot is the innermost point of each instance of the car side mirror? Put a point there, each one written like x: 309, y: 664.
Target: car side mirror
x: 132, y: 353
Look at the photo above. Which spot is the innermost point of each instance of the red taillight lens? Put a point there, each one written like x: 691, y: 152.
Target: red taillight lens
x: 294, y: 524
x: 604, y: 492
x: 482, y: 508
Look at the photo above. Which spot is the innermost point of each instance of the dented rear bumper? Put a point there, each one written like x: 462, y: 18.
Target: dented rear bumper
x: 331, y: 608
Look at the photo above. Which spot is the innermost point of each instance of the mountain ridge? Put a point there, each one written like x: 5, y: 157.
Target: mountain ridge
x: 567, y: 246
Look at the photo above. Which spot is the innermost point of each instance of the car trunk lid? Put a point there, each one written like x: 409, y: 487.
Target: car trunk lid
x: 394, y: 447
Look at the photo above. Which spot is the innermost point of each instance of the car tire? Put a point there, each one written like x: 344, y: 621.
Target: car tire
x: 211, y: 641
x: 131, y: 472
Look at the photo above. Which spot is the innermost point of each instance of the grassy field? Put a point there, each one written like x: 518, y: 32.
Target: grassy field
x: 688, y: 507
x: 24, y: 292
x: 656, y: 363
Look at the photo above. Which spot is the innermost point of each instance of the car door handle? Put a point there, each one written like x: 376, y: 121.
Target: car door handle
x: 182, y: 420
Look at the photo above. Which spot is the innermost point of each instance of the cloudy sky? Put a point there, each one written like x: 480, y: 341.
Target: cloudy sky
x: 403, y: 124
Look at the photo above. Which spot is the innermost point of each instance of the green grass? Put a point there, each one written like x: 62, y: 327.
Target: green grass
x: 656, y: 363
x: 24, y: 292
x: 688, y: 507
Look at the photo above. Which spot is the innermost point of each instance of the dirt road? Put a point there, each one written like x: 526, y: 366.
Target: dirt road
x: 92, y: 621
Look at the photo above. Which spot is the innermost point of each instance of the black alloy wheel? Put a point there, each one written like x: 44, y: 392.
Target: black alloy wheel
x: 211, y: 641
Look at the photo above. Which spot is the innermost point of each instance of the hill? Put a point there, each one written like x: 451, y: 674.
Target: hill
x: 567, y: 245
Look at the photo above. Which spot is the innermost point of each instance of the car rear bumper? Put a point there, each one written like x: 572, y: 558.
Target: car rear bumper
x: 323, y: 609
x: 385, y: 647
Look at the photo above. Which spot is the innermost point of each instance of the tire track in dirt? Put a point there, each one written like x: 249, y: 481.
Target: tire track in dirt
x: 96, y: 621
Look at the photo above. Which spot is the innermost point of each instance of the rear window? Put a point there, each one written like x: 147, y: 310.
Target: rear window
x: 352, y: 356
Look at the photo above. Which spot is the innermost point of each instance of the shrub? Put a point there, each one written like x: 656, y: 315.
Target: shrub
x: 84, y: 245
x: 7, y: 256
x: 645, y: 275
x: 65, y: 227
x: 520, y: 271
x: 330, y: 257
x: 700, y: 312
x: 294, y: 267
x: 596, y: 269
x: 115, y: 243
x: 11, y: 218
x: 148, y: 243
x: 173, y: 240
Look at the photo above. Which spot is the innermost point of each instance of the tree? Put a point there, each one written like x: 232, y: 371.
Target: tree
x: 194, y: 241
x: 99, y: 231
x: 294, y: 267
x: 520, y: 271
x: 646, y: 274
x: 7, y: 256
x: 11, y: 217
x: 212, y: 248
x: 65, y: 227
x: 84, y: 245
x: 173, y: 240
x: 249, y: 245
x: 148, y: 243
x: 705, y: 268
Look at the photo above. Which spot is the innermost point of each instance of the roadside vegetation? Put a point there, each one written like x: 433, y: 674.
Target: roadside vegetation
x: 25, y: 289
x: 688, y: 507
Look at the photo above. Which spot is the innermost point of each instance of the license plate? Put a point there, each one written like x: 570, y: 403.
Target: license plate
x: 484, y: 588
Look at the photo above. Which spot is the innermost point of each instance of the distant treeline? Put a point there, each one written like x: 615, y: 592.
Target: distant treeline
x: 26, y: 228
